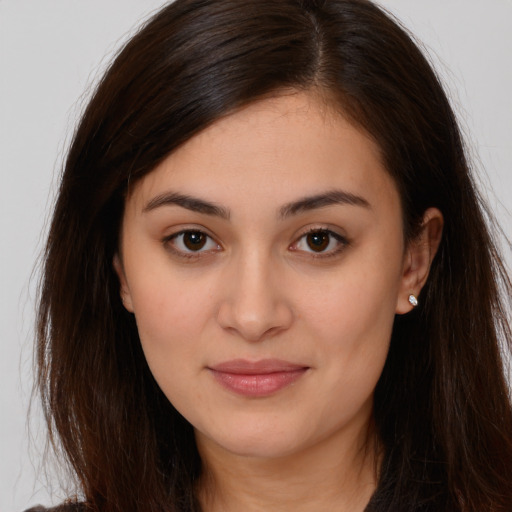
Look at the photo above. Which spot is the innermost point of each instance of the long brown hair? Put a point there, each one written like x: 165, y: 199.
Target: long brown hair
x: 442, y: 407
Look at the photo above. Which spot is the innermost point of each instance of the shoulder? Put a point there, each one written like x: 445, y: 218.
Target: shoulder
x: 70, y: 507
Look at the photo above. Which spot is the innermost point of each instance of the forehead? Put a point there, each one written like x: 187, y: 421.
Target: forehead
x: 273, y: 150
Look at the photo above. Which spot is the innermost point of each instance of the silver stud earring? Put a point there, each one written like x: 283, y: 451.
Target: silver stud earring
x: 413, y: 301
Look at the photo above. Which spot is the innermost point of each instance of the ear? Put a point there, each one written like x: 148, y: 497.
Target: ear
x: 418, y: 258
x: 124, y: 291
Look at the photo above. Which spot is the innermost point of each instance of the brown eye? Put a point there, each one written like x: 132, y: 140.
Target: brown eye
x: 187, y: 243
x: 318, y: 241
x: 194, y: 240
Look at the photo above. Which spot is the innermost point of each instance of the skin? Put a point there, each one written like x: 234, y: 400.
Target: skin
x: 258, y: 288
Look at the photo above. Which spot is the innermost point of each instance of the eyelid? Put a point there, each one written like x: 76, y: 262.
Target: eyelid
x: 342, y: 240
x: 189, y: 254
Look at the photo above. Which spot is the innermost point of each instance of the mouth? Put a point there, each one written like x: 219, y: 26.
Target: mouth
x: 257, y: 378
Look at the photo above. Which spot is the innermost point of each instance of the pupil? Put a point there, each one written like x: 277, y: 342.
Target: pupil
x: 194, y: 240
x: 318, y: 241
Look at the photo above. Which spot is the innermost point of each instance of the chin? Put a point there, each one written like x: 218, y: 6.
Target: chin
x: 262, y: 448
x: 258, y: 440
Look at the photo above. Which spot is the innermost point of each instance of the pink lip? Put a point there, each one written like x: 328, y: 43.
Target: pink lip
x: 257, y: 378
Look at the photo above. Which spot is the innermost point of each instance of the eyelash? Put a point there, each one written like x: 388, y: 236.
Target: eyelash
x: 169, y: 244
x: 342, y: 244
x: 341, y: 240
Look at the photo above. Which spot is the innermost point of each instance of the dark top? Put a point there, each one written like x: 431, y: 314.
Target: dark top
x: 71, y: 507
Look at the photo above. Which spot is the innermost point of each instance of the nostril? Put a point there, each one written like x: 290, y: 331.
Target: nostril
x: 254, y: 324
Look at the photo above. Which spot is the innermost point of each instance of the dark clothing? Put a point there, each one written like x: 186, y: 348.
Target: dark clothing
x: 71, y: 507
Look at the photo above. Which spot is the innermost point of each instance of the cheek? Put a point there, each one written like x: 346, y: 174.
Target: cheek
x: 353, y: 341
x: 169, y: 332
x: 351, y: 319
x: 170, y: 316
x: 352, y: 310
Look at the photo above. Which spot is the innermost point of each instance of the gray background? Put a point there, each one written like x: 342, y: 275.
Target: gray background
x: 51, y: 51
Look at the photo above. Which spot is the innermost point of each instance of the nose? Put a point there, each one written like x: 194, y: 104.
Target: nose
x: 254, y: 305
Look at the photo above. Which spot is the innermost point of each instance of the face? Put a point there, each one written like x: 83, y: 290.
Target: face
x: 264, y: 261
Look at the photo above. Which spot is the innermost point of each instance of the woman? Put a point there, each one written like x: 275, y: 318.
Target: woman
x: 269, y: 284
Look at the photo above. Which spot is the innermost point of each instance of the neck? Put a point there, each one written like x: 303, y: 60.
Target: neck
x: 338, y: 473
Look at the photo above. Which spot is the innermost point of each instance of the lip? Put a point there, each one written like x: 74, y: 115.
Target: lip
x: 257, y: 378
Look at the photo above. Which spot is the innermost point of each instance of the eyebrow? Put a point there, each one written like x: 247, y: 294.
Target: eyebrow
x: 190, y: 203
x: 331, y: 197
